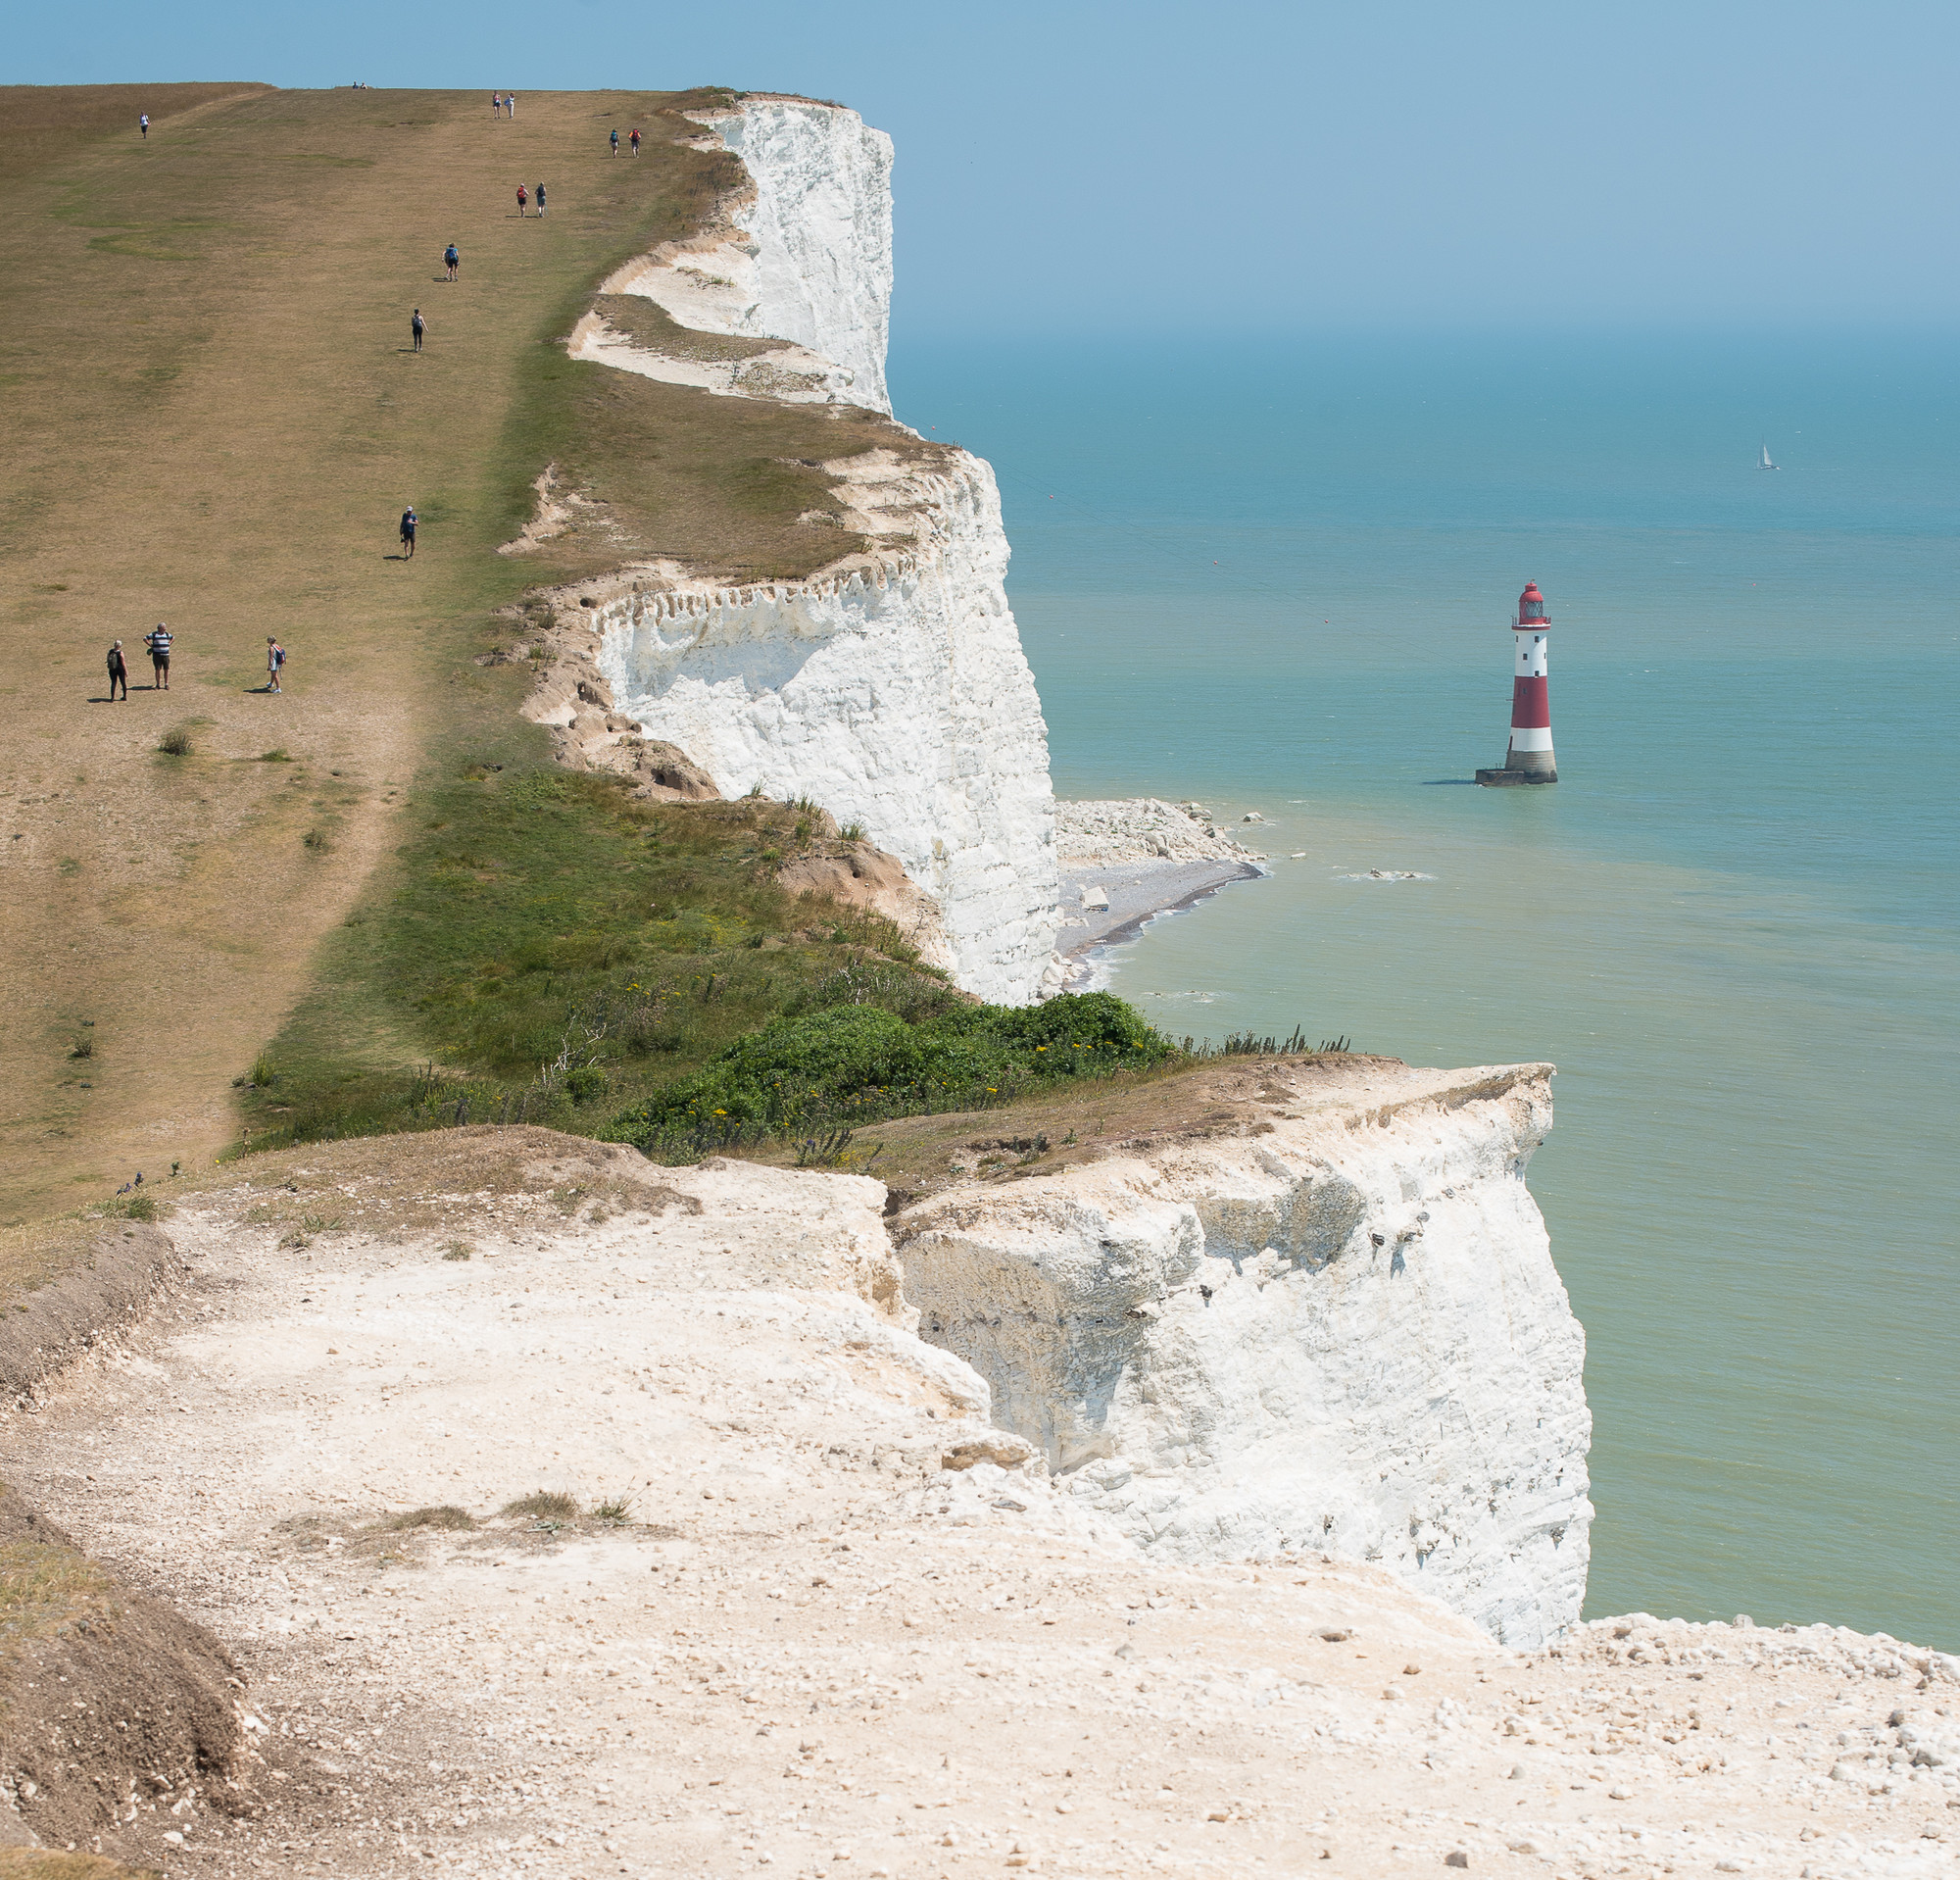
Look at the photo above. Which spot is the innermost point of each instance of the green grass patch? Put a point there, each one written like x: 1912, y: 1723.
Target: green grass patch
x: 554, y: 949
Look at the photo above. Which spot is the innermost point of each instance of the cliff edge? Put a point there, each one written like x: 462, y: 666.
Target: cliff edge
x: 890, y: 686
x: 1329, y: 1320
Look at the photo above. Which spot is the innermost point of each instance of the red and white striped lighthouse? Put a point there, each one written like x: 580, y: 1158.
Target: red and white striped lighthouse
x: 1529, y: 759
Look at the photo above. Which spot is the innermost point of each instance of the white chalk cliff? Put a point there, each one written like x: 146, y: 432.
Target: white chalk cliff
x: 1337, y: 1329
x: 890, y: 688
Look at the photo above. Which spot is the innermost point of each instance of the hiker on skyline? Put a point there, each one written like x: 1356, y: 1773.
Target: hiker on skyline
x: 275, y: 659
x: 417, y: 326
x: 496, y: 105
x: 409, y: 533
x: 451, y: 260
x: 157, y: 640
x: 119, y: 672
x: 511, y: 103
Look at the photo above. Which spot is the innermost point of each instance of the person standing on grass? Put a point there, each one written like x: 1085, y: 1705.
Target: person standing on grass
x: 409, y: 533
x: 633, y: 138
x: 119, y: 672
x: 615, y: 140
x: 275, y: 661
x: 144, y: 120
x: 540, y: 199
x: 417, y: 326
x: 496, y: 105
x: 157, y: 640
x: 451, y: 260
x: 511, y: 103
x: 524, y: 196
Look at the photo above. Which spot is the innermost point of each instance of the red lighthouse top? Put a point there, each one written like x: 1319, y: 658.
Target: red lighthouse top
x: 1531, y: 606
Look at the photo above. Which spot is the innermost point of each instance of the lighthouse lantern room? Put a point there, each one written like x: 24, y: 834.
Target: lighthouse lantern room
x: 1529, y: 758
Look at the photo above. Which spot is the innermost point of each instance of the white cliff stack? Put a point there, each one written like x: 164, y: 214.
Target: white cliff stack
x: 889, y: 687
x: 1335, y: 1328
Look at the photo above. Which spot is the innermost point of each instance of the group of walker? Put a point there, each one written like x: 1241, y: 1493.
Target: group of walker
x: 159, y: 641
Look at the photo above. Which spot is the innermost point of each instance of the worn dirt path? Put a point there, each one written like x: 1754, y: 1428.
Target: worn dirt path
x: 810, y: 1646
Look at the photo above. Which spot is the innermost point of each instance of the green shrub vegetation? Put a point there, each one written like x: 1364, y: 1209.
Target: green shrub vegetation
x: 847, y: 1064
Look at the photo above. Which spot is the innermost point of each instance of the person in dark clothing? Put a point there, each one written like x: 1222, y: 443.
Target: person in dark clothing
x: 633, y: 138
x: 119, y: 671
x: 452, y: 260
x: 408, y: 534
x: 615, y: 140
x: 541, y: 198
x: 417, y: 326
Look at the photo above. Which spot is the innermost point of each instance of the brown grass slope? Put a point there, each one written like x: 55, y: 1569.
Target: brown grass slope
x: 214, y: 419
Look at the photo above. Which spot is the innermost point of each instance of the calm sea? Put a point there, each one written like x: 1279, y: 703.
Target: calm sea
x: 1277, y: 576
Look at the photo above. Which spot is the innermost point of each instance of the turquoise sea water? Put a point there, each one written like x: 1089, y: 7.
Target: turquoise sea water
x: 1277, y: 576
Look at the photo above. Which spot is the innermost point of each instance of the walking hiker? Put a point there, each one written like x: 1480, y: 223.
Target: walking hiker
x: 118, y: 673
x: 524, y: 196
x: 633, y: 138
x: 540, y: 199
x: 419, y: 325
x: 615, y: 140
x: 408, y: 534
x: 144, y: 120
x: 275, y: 659
x: 157, y: 640
x: 451, y: 260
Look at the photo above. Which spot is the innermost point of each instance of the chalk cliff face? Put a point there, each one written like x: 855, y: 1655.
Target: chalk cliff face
x: 890, y: 688
x: 1339, y: 1329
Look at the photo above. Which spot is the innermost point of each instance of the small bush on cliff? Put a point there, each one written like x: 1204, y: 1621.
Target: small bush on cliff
x: 853, y: 1063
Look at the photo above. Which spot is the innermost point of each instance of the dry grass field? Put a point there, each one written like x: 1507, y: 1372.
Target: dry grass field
x: 214, y: 419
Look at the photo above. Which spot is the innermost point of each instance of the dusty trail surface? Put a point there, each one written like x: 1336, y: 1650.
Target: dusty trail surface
x: 839, y: 1625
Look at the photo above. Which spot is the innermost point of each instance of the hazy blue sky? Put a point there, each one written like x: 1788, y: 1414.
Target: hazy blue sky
x: 1240, y: 165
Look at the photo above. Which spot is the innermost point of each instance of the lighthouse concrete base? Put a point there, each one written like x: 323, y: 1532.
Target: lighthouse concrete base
x: 1496, y: 778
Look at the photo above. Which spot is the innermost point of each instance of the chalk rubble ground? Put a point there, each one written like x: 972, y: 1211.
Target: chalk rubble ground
x: 846, y: 1625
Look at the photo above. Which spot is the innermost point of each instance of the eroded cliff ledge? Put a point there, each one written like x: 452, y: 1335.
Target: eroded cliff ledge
x: 1330, y: 1321
x: 889, y: 686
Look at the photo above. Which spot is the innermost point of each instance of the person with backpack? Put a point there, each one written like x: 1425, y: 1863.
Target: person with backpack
x: 540, y: 199
x: 409, y: 533
x: 417, y: 326
x: 275, y: 663
x: 615, y: 140
x: 633, y: 138
x: 511, y: 103
x: 451, y: 260
x: 119, y: 672
x: 524, y: 196
x: 157, y: 640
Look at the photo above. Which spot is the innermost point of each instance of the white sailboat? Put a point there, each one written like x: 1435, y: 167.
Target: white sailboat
x: 1766, y: 463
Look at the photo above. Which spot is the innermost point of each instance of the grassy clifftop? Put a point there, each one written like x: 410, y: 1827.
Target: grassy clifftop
x: 214, y: 419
